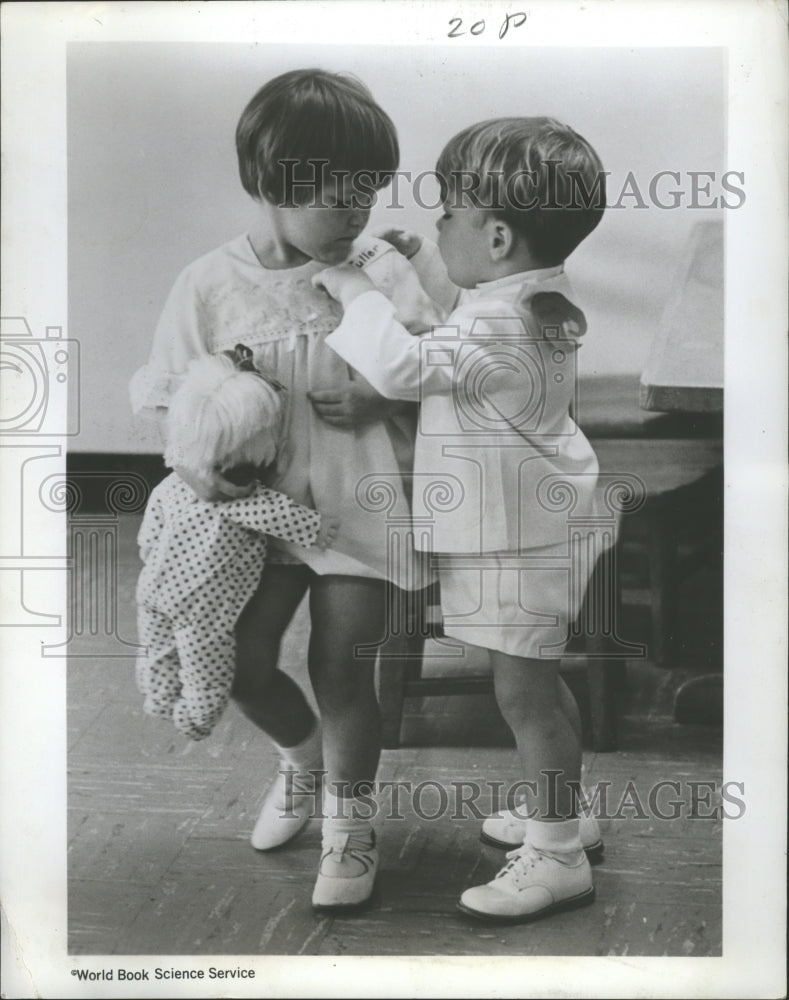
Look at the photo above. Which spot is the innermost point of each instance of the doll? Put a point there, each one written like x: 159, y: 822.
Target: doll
x: 203, y: 560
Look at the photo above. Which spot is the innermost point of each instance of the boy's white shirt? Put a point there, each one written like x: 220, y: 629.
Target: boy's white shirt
x: 488, y: 462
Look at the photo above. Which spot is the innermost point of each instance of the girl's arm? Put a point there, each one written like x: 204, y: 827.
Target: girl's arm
x: 356, y: 404
x: 181, y: 335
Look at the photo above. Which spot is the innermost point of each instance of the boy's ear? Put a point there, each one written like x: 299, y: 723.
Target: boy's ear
x: 501, y: 239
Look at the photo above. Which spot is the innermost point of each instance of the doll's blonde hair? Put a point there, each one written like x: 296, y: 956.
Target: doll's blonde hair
x: 217, y: 413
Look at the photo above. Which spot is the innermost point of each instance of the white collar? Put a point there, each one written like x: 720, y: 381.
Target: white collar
x: 520, y: 278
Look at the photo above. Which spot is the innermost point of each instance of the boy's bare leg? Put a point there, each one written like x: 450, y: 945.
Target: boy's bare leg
x: 550, y: 871
x: 569, y: 705
x: 542, y: 714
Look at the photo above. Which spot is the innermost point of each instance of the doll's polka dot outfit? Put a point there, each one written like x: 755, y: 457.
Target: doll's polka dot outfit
x: 202, y: 563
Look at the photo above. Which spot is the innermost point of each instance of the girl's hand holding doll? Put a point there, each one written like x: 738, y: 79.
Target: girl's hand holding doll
x: 354, y: 405
x: 327, y: 532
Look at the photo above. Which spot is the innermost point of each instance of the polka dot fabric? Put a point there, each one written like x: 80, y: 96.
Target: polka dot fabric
x: 202, y: 563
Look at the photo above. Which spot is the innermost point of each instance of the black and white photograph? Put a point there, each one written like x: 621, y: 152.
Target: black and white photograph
x: 313, y: 312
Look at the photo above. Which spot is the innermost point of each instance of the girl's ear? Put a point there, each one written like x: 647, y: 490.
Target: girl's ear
x: 501, y: 239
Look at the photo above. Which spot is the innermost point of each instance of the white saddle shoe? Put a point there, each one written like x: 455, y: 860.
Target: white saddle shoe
x: 532, y: 884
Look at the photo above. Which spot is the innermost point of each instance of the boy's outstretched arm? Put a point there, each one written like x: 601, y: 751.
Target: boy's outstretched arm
x: 426, y: 261
x: 373, y: 342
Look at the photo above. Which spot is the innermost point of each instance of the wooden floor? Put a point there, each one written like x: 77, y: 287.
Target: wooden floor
x: 160, y: 863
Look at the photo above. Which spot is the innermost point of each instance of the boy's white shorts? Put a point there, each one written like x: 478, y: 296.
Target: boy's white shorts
x: 521, y: 603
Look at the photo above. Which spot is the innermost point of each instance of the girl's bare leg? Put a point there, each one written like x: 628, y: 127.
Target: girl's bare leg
x: 266, y: 695
x: 347, y: 612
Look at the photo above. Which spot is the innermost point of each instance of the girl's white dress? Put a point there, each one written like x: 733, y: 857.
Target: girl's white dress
x: 227, y: 297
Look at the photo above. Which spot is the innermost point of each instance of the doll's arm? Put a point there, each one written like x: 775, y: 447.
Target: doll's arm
x: 272, y: 513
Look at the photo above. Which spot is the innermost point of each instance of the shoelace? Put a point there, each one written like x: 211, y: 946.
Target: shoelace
x: 519, y: 860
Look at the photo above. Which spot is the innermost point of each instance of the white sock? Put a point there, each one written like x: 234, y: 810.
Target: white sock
x: 560, y: 837
x: 307, y: 755
x: 350, y: 814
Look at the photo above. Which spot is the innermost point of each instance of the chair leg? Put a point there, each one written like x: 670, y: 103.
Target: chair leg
x: 662, y: 586
x: 400, y: 663
x: 603, y: 677
x: 604, y: 672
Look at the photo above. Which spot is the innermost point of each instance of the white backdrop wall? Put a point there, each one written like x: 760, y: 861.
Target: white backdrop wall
x: 153, y: 181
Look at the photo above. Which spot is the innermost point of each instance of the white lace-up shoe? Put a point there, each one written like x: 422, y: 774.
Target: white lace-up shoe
x: 292, y: 799
x: 508, y: 829
x: 532, y: 884
x: 347, y: 871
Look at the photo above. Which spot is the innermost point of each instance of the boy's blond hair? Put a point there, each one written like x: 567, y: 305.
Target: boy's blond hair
x: 537, y: 174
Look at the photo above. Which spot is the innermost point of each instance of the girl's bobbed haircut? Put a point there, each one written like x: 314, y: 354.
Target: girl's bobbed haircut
x: 537, y: 174
x: 303, y: 126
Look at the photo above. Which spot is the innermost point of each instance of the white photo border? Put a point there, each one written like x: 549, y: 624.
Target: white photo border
x: 34, y: 285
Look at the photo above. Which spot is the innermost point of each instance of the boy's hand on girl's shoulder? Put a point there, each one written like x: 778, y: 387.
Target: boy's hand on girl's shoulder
x: 403, y: 240
x: 328, y: 531
x: 344, y: 283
